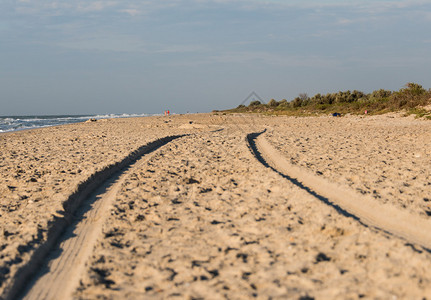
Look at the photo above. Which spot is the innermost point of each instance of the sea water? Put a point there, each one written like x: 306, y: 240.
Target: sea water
x: 14, y: 123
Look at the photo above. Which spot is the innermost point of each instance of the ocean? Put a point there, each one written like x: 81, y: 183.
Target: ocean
x: 15, y: 123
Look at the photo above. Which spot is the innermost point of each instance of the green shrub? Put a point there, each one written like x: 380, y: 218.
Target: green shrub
x: 412, y: 89
x: 272, y: 103
x: 297, y: 102
x: 380, y: 95
x: 283, y: 103
x: 255, y: 103
x: 413, y: 97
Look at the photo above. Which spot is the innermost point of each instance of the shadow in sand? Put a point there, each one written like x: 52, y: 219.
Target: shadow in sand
x: 76, y: 206
x: 251, y: 141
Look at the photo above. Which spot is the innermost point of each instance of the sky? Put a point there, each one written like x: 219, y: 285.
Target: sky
x: 125, y: 56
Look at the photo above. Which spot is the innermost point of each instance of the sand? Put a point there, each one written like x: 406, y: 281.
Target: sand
x: 386, y: 157
x: 201, y: 217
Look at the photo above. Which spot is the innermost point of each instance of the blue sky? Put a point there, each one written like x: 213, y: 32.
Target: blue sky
x: 124, y: 56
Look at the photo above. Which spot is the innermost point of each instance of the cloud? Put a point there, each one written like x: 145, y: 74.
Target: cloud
x: 131, y: 11
x: 136, y: 8
x: 344, y: 21
x: 103, y: 42
x: 166, y: 49
x: 393, y: 61
x: 256, y: 27
x: 95, y: 6
x: 255, y: 58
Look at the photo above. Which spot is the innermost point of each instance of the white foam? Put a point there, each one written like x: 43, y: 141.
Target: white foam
x: 8, y: 124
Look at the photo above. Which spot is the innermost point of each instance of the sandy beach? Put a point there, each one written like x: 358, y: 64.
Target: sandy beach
x: 213, y: 206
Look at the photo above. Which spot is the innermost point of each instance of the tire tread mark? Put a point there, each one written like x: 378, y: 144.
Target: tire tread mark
x: 362, y: 208
x: 24, y: 275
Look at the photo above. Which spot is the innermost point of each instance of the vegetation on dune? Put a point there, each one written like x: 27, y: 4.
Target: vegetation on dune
x: 413, y: 99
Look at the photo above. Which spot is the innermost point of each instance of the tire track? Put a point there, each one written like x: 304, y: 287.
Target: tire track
x: 54, y: 267
x: 363, y: 208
